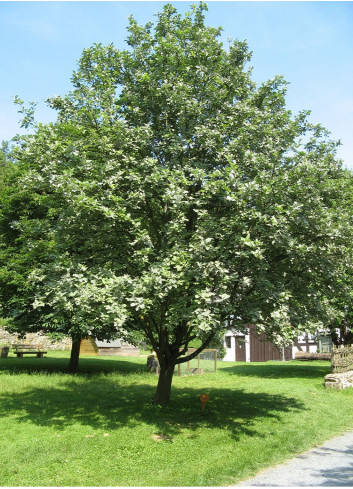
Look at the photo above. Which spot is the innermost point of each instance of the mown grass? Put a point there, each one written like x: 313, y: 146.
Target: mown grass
x: 99, y: 428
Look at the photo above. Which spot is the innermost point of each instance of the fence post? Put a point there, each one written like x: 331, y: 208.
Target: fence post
x: 342, y: 359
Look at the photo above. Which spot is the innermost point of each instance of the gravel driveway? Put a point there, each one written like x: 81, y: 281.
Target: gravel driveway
x: 328, y: 465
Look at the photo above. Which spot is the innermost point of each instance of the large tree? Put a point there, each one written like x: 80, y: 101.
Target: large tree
x: 178, y: 197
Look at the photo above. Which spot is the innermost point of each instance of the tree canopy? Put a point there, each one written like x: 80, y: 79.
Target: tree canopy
x: 174, y: 197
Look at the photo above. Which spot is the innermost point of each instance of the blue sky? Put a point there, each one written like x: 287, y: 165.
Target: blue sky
x: 309, y: 43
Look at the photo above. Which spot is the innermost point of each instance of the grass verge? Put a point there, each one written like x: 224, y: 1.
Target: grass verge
x: 99, y: 428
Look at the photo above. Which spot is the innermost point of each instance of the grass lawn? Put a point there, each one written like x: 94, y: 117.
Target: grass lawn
x: 99, y: 428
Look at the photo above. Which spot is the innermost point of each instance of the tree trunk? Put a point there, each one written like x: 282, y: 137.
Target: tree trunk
x: 75, y: 354
x: 164, y: 386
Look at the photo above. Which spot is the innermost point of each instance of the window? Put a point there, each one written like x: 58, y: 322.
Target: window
x: 325, y: 344
x: 228, y: 340
x: 241, y: 340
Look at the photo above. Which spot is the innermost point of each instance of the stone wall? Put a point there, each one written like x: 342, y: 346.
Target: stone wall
x: 339, y: 381
x: 35, y: 339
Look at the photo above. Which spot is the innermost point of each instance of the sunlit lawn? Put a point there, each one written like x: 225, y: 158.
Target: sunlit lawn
x: 99, y: 428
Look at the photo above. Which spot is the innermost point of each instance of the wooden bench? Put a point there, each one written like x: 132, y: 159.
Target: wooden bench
x: 21, y: 349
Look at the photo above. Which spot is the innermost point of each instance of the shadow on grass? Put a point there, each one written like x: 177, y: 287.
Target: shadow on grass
x: 87, y: 365
x: 103, y: 404
x: 95, y: 365
x: 280, y: 370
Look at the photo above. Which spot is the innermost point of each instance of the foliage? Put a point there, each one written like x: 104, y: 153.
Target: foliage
x: 174, y: 198
x: 337, y: 296
x: 217, y: 342
x: 2, y: 158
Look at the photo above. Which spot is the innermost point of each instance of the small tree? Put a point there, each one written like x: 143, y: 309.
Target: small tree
x: 45, y: 283
x: 178, y: 197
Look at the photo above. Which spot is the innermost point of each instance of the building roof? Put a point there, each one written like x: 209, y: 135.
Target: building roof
x: 108, y: 344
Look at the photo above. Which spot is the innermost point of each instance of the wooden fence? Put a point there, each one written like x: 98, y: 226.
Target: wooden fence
x: 342, y: 359
x: 206, y: 361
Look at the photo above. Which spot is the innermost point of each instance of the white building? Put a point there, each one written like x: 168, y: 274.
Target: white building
x: 251, y: 347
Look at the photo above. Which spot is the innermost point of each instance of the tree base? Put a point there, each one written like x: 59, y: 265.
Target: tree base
x: 164, y: 386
